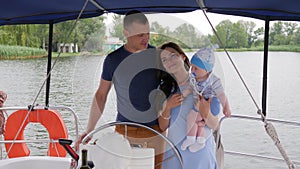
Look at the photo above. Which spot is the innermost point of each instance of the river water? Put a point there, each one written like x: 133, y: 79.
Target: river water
x: 75, y: 79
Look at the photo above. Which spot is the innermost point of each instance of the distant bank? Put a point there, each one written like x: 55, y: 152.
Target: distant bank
x: 20, y: 52
x: 279, y: 48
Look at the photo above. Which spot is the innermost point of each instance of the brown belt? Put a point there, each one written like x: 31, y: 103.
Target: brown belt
x: 137, y: 132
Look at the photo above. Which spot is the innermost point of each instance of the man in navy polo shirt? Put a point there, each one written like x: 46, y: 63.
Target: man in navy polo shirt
x: 132, y: 70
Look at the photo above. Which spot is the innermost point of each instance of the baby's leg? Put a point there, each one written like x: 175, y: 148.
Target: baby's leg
x: 201, y: 130
x: 191, y: 121
x: 192, y: 128
x: 201, y: 138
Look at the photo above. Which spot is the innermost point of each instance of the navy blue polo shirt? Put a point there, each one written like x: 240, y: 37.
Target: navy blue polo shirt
x: 134, y: 76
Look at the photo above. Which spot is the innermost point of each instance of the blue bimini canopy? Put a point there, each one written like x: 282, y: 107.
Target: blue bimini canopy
x: 53, y: 11
x: 288, y: 10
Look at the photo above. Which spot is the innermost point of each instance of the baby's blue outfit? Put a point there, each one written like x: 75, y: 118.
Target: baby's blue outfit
x: 202, y: 159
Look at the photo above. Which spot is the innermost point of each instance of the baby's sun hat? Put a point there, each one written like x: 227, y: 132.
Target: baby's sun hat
x: 204, y: 58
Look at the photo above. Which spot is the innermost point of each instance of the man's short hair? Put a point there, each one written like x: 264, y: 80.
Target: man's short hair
x: 134, y: 16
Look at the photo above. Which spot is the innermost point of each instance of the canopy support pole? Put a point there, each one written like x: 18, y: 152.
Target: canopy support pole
x: 49, y: 62
x: 265, y: 66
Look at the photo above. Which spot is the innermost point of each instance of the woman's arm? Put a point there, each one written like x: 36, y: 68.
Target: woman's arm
x: 164, y: 115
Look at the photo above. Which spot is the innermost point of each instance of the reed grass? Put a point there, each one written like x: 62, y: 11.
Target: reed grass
x: 20, y: 52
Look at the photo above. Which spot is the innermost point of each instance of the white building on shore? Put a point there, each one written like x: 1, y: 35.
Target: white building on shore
x: 67, y: 48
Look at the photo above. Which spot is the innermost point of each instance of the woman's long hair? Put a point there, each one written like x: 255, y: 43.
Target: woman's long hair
x: 168, y: 83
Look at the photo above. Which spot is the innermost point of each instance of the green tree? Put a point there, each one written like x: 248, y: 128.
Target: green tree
x: 93, y: 32
x: 289, y: 29
x: 223, y: 30
x: 249, y: 28
x: 188, y: 35
x: 7, y: 35
x: 185, y: 33
x: 117, y: 29
x: 3, y: 34
x: 62, y: 31
x: 159, y: 34
x: 33, y: 35
x: 42, y: 31
x: 238, y: 36
x: 18, y: 35
x: 258, y: 38
x: 296, y: 37
x: 86, y: 31
x: 276, y: 34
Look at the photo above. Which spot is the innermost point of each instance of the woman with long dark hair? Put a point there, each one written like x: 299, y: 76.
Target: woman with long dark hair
x: 173, y: 113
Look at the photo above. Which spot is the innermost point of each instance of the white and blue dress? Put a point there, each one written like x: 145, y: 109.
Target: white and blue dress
x: 202, y: 159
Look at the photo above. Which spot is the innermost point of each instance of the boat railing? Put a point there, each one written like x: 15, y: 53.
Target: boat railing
x: 263, y: 157
x: 57, y: 108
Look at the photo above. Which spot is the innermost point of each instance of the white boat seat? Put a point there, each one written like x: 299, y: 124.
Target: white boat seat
x: 113, y: 151
x: 36, y: 162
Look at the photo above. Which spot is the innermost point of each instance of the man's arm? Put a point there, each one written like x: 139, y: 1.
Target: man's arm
x: 97, y: 108
x: 98, y: 104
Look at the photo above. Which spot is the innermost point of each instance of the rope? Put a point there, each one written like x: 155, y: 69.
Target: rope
x: 270, y: 129
x: 45, y: 80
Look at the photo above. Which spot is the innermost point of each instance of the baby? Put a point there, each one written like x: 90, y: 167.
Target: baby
x: 204, y: 83
x: 3, y: 97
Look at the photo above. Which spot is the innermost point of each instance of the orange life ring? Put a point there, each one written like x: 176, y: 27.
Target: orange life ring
x: 50, y: 119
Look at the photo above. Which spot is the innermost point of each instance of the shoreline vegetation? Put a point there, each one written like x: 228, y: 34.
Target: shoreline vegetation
x: 20, y: 52
x: 272, y: 48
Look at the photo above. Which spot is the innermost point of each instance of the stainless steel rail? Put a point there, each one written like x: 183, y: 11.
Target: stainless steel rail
x: 292, y: 123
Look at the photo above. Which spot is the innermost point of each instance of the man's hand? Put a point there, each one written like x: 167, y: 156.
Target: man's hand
x: 79, y: 140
